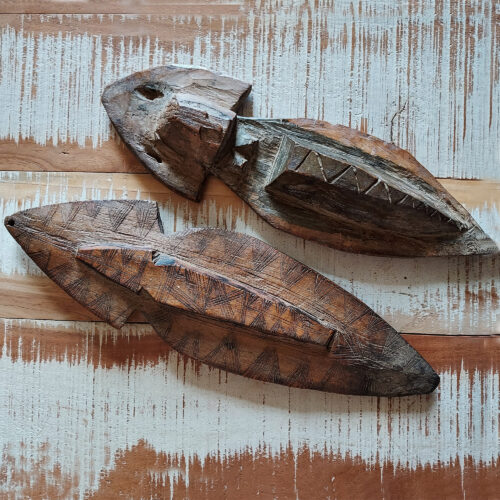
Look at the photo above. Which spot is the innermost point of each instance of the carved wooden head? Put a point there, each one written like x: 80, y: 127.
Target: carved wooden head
x: 175, y: 119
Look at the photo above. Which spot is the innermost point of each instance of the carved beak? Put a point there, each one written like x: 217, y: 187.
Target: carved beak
x: 147, y: 107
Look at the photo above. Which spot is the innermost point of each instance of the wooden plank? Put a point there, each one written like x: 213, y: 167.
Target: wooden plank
x: 102, y: 345
x: 289, y: 476
x: 438, y: 295
x: 105, y: 413
x: 28, y: 156
x: 193, y: 7
x: 359, y: 64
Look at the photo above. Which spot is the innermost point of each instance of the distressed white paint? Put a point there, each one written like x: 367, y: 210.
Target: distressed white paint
x: 49, y: 90
x: 86, y: 414
x: 346, y: 62
x: 438, y: 295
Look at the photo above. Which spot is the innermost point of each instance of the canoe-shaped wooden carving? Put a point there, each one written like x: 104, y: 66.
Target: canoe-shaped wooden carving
x: 222, y: 298
x: 322, y: 182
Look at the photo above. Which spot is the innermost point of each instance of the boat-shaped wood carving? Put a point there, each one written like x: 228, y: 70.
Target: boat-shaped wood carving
x: 322, y: 182
x: 223, y: 298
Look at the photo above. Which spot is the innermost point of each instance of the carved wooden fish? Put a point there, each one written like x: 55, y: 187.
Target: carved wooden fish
x: 223, y: 298
x: 322, y: 182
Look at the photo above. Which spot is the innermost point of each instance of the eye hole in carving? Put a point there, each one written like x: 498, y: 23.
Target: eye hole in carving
x: 11, y: 222
x: 150, y: 151
x: 149, y: 92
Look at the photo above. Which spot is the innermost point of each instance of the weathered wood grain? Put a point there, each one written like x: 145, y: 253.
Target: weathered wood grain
x: 173, y: 7
x: 28, y: 156
x: 293, y: 476
x: 442, y: 295
x: 119, y: 412
x: 223, y: 298
x: 322, y: 182
x: 55, y: 67
x: 348, y: 190
x: 176, y: 120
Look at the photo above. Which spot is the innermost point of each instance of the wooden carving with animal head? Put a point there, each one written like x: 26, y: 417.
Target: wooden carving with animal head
x: 322, y: 182
x: 223, y: 298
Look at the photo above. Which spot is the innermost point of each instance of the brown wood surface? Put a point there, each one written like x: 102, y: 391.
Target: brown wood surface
x: 362, y: 195
x: 176, y: 120
x: 90, y: 411
x: 322, y: 182
x: 173, y: 7
x: 137, y: 343
x: 223, y: 298
x: 27, y: 156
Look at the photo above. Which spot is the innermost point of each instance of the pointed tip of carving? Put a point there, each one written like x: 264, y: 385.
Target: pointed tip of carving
x: 405, y: 371
x: 398, y: 383
x: 433, y: 382
x: 423, y: 381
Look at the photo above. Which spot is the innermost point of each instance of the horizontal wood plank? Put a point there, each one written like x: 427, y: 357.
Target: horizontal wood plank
x: 54, y: 68
x: 438, y: 295
x: 173, y: 7
x: 288, y: 475
x: 102, y: 413
x: 136, y: 343
x: 28, y: 156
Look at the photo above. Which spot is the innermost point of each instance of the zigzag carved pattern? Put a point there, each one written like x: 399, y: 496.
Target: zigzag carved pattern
x: 118, y: 212
x: 225, y: 355
x: 93, y: 208
x: 265, y: 367
x: 46, y: 214
x: 189, y: 344
x: 41, y: 258
x: 69, y: 212
x: 146, y: 218
x: 178, y: 284
x: 79, y: 289
x: 262, y: 258
x: 300, y: 376
x: 60, y: 273
x: 125, y: 266
x: 257, y: 306
x: 291, y: 156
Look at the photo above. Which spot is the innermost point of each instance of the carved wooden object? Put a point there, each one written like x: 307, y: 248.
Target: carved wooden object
x: 223, y: 298
x: 322, y: 182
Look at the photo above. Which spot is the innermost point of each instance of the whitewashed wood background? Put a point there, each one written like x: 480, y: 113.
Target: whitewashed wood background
x: 86, y: 411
